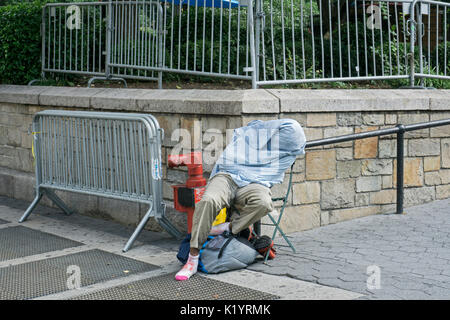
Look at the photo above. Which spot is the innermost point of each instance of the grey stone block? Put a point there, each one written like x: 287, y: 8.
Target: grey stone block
x: 80, y: 203
x: 366, y: 184
x: 413, y: 118
x: 116, y: 99
x: 24, y: 187
x: 217, y: 102
x: 445, y: 157
x: 351, y: 100
x: 348, y: 169
x: 21, y: 94
x: 439, y: 100
x: 124, y: 212
x: 414, y: 196
x: 6, y: 184
x: 373, y: 119
x: 349, y: 119
x: 338, y: 194
x: 68, y: 96
x: 377, y: 167
x: 424, y: 147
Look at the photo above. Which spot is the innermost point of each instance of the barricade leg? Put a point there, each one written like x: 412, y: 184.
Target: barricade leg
x: 32, y: 206
x: 52, y: 196
x: 163, y: 222
x: 138, y: 229
x: 91, y: 80
x: 57, y: 200
x: 169, y: 227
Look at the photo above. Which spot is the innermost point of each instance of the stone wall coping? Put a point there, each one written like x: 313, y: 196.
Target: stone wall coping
x: 348, y: 100
x: 228, y: 102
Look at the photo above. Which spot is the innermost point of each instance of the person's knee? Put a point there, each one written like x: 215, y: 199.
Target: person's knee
x: 209, y: 201
x: 266, y: 204
x: 263, y: 203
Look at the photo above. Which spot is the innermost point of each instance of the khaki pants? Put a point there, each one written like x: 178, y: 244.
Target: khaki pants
x: 253, y: 202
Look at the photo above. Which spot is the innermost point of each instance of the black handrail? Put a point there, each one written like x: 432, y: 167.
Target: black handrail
x: 399, y: 130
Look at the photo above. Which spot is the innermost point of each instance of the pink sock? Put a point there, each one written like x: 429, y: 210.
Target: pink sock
x: 189, y: 269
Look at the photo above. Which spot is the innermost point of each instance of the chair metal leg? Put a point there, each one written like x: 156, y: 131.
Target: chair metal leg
x: 277, y: 228
x: 285, y: 237
x: 277, y: 223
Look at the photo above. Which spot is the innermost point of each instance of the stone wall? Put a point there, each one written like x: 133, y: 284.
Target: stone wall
x: 331, y: 184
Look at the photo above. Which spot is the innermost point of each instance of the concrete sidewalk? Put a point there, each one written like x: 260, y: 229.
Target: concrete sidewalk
x: 376, y: 257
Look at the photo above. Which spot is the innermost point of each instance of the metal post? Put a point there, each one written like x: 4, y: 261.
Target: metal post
x: 419, y: 42
x: 160, y: 44
x: 250, y: 23
x: 412, y: 34
x: 109, y: 31
x: 258, y: 11
x: 400, y: 172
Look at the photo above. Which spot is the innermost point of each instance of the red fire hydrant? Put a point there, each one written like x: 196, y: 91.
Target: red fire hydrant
x: 185, y: 196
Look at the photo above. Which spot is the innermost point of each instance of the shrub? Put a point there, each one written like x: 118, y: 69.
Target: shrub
x: 20, y: 42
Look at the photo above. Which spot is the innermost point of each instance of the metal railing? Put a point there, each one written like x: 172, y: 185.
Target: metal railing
x: 114, y: 155
x: 399, y: 131
x: 265, y: 41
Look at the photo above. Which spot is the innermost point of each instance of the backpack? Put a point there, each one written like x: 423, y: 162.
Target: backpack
x: 226, y: 252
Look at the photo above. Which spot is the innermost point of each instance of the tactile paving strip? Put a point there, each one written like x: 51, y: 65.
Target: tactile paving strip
x: 49, y: 276
x: 165, y: 287
x: 18, y: 241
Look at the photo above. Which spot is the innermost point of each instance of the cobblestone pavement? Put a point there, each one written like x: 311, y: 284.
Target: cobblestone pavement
x: 411, y: 253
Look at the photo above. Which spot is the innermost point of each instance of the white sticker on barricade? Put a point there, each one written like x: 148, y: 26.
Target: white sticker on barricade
x: 156, y: 169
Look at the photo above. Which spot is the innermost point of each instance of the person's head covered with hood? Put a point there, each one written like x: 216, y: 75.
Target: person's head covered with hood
x: 262, y: 151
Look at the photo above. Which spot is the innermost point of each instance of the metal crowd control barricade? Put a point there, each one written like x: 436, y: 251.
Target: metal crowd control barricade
x: 114, y: 155
x: 141, y: 39
x: 75, y: 39
x: 269, y: 42
x: 300, y: 41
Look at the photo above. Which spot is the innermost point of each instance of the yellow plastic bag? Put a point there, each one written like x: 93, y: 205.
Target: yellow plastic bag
x: 221, y: 217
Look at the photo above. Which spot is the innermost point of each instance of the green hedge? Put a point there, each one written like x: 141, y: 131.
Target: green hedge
x: 20, y: 39
x: 20, y: 42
